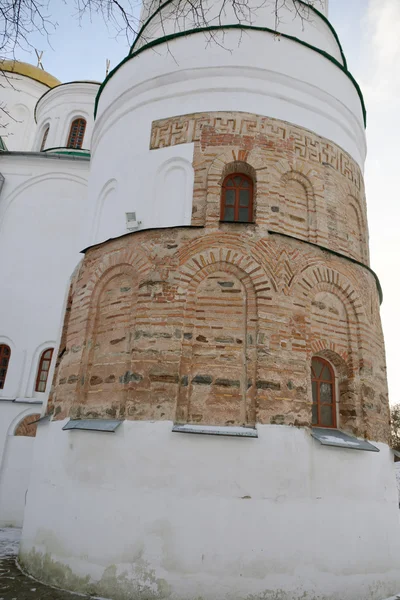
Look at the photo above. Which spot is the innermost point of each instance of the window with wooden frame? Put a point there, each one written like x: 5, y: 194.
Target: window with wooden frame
x: 44, y: 139
x: 43, y: 370
x: 323, y: 393
x: 237, y: 199
x: 5, y: 355
x: 76, y: 133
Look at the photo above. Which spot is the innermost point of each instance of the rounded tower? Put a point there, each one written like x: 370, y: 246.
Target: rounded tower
x: 219, y: 422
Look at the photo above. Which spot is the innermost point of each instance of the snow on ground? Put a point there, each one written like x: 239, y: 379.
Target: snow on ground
x: 9, y: 541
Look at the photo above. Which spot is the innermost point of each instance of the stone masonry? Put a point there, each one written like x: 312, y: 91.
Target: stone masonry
x: 217, y: 323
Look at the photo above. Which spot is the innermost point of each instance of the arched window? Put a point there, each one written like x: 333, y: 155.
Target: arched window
x: 5, y: 355
x: 237, y: 199
x: 76, y: 133
x: 44, y: 139
x: 43, y: 370
x: 323, y: 393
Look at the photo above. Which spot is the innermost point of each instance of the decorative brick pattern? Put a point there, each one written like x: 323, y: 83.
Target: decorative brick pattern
x: 305, y: 186
x: 218, y: 324
x: 222, y: 329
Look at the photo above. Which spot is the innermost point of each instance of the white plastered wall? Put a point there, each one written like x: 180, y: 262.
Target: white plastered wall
x: 19, y: 94
x: 42, y: 230
x: 16, y: 454
x: 59, y: 107
x: 211, y: 517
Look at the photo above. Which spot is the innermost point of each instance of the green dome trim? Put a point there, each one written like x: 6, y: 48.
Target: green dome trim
x: 314, y: 10
x: 180, y: 34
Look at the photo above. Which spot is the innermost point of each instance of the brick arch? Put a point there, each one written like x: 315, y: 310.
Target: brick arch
x: 332, y: 353
x: 320, y: 275
x: 95, y: 377
x: 360, y: 253
x: 26, y: 427
x: 225, y: 249
x: 127, y: 257
x: 239, y: 342
x: 322, y: 279
x: 308, y: 231
x: 251, y: 163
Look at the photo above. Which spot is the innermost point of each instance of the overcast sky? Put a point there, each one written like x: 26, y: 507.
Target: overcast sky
x: 370, y: 34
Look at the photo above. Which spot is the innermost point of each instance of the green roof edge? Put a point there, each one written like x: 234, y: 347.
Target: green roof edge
x: 312, y: 8
x: 179, y: 34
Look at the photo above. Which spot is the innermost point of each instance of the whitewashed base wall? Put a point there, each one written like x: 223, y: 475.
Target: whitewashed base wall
x: 155, y: 514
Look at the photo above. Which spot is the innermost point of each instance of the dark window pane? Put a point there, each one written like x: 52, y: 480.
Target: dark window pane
x: 47, y: 354
x: 245, y: 183
x: 230, y: 197
x: 2, y: 372
x: 314, y: 414
x: 1, y: 385
x: 244, y: 214
x: 244, y: 197
x: 229, y: 183
x: 4, y: 362
x: 317, y: 366
x: 326, y: 374
x: 325, y: 392
x: 7, y: 351
x: 237, y: 180
x: 229, y: 213
x: 327, y: 415
x: 314, y: 391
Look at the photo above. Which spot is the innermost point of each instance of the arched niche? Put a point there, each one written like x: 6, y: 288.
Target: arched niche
x: 217, y: 371
x: 106, y: 360
x: 173, y: 193
x: 297, y: 210
x: 27, y: 427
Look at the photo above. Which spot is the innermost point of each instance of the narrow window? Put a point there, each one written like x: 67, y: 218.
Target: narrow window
x: 5, y: 355
x: 43, y: 370
x: 323, y: 393
x: 76, y: 133
x: 44, y: 140
x: 237, y: 199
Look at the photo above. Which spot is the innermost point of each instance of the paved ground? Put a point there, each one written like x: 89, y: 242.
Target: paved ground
x: 14, y: 585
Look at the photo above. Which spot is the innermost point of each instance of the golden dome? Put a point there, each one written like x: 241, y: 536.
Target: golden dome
x: 22, y: 68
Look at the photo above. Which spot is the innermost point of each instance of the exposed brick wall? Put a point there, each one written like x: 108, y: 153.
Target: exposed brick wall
x: 290, y: 301
x: 305, y: 185
x: 26, y: 427
x: 218, y: 324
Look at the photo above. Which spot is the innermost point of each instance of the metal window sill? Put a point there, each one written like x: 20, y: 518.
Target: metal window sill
x: 106, y: 425
x: 338, y: 439
x: 249, y: 432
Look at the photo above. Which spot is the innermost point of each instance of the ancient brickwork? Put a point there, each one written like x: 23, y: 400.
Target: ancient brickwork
x: 217, y: 324
x: 27, y: 427
x: 219, y: 327
x: 306, y: 186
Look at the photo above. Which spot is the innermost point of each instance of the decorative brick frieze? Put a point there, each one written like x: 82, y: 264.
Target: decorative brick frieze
x: 305, y: 186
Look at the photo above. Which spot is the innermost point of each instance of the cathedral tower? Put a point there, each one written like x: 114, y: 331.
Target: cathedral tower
x: 219, y: 423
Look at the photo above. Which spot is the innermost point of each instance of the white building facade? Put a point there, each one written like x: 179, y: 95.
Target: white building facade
x: 137, y: 507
